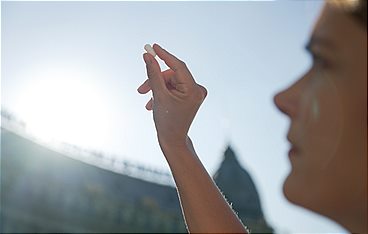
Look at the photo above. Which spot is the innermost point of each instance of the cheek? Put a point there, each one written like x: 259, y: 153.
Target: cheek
x: 319, y: 128
x: 320, y: 122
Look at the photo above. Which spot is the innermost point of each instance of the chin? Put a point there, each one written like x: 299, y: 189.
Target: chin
x: 291, y: 190
x: 299, y: 193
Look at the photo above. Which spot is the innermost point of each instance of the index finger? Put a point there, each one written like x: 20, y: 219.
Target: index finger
x: 171, y: 61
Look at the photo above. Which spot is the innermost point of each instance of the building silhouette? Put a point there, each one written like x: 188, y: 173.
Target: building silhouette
x: 238, y: 188
x: 45, y: 191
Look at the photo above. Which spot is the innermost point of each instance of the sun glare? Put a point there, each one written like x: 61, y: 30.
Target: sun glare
x: 63, y: 105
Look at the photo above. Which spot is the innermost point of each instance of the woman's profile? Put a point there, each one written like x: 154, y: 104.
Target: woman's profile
x: 327, y: 108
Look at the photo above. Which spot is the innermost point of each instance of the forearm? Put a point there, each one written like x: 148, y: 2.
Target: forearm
x: 176, y: 100
x: 204, y: 207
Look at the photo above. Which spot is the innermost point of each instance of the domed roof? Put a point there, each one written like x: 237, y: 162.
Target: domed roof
x: 238, y: 187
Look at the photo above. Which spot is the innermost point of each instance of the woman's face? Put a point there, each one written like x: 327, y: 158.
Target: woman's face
x: 328, y: 112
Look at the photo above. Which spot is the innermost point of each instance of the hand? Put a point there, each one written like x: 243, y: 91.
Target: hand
x: 176, y: 97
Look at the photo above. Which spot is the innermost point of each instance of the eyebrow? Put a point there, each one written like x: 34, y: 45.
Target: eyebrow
x: 317, y: 40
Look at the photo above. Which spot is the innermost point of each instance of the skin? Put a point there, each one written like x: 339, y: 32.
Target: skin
x: 329, y: 151
x: 327, y: 108
x: 176, y: 100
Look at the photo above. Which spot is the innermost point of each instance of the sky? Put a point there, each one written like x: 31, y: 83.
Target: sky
x: 70, y: 70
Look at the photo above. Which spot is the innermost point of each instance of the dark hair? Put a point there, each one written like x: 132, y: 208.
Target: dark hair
x: 355, y: 8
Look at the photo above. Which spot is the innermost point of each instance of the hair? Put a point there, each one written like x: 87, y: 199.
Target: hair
x: 355, y: 8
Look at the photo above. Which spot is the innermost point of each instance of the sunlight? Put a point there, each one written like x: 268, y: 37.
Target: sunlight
x: 63, y: 105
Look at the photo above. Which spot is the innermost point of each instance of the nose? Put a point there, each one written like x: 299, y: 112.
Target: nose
x: 286, y: 101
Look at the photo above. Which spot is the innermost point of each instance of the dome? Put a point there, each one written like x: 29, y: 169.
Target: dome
x: 238, y: 187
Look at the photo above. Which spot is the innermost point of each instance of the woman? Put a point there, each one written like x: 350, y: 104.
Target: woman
x: 328, y: 132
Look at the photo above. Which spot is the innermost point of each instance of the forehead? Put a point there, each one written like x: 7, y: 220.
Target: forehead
x: 338, y: 28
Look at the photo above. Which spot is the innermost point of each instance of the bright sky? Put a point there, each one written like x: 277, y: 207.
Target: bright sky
x: 71, y: 70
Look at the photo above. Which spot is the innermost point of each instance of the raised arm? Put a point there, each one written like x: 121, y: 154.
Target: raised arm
x: 175, y: 102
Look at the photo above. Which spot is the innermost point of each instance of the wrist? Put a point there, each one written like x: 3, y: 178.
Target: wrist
x: 169, y: 146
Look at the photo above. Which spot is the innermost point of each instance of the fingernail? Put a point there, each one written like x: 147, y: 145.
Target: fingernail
x: 159, y: 47
x: 146, y: 58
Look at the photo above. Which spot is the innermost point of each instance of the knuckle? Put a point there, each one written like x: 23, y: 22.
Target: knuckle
x: 204, y: 90
x: 200, y: 95
x: 182, y: 65
x: 150, y: 73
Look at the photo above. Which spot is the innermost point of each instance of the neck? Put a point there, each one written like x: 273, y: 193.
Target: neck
x: 355, y: 225
x: 354, y: 219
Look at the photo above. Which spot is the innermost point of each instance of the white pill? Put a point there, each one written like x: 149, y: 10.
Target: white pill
x: 150, y: 50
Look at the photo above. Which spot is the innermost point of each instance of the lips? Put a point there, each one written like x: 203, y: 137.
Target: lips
x: 293, y: 152
x: 293, y: 149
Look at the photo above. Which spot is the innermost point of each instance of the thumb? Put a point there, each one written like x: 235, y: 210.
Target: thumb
x: 154, y: 74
